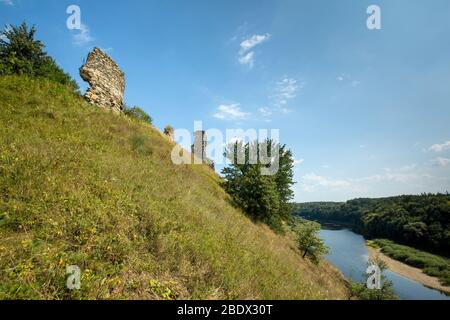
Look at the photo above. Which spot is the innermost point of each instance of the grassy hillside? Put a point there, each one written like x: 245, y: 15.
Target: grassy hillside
x: 82, y: 186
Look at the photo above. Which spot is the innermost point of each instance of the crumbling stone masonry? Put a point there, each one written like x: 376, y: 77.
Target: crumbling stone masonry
x: 199, y: 148
x: 106, y: 80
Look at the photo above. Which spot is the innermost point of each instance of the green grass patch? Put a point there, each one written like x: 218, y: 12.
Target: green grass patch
x: 431, y: 264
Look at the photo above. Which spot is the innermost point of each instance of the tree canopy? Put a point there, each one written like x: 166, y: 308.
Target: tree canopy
x: 263, y: 197
x: 22, y: 54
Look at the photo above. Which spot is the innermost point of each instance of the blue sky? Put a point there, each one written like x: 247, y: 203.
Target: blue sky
x: 365, y: 112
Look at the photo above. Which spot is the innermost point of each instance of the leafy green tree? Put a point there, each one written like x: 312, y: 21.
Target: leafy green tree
x: 284, y: 180
x: 138, y: 113
x: 263, y: 197
x: 308, y: 240
x: 21, y: 54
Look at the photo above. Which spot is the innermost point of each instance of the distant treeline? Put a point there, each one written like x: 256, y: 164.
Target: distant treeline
x: 421, y: 221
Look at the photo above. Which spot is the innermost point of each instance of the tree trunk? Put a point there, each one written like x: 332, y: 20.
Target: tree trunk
x: 304, y: 255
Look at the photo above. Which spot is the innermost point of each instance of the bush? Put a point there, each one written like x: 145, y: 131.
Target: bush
x: 309, y: 241
x: 138, y: 113
x: 168, y: 130
x: 139, y: 145
x: 21, y: 54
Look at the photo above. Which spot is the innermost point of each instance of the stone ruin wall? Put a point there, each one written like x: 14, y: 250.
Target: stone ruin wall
x: 106, y: 80
x: 198, y: 149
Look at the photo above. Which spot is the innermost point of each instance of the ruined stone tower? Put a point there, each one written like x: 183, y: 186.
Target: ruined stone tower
x: 199, y: 149
x: 106, y: 80
x: 199, y: 146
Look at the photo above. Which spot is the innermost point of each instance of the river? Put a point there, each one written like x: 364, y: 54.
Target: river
x: 348, y: 252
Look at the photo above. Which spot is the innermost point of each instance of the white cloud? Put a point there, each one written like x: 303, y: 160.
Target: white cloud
x: 406, y: 175
x: 7, y: 2
x: 285, y: 90
x: 441, y: 162
x: 83, y: 36
x: 394, y: 177
x: 316, y: 180
x: 348, y: 79
x: 253, y: 41
x: 298, y: 162
x: 247, y: 57
x: 265, y: 112
x: 230, y: 112
x: 440, y: 147
x: 409, y: 179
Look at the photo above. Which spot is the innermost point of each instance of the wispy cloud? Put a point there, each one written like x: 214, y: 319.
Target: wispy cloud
x: 7, y: 2
x: 246, y: 56
x: 298, y: 162
x: 405, y: 175
x: 345, y: 78
x: 265, y: 112
x: 230, y: 112
x: 247, y: 59
x: 82, y: 36
x: 311, y: 181
x: 440, y: 147
x: 253, y: 41
x: 441, y: 162
x: 286, y: 90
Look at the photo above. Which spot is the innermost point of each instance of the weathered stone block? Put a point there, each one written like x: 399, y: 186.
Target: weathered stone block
x: 106, y: 80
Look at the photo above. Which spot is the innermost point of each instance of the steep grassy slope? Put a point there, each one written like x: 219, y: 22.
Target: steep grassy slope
x: 82, y: 186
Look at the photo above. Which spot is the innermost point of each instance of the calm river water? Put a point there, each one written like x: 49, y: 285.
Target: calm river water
x: 348, y: 252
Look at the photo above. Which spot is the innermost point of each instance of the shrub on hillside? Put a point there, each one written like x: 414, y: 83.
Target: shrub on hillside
x: 138, y: 113
x: 168, y: 130
x: 21, y: 54
x: 309, y: 241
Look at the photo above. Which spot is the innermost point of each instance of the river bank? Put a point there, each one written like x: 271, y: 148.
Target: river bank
x: 407, y: 271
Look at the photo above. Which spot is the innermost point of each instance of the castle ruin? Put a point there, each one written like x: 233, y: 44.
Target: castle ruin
x: 106, y: 80
x: 198, y: 149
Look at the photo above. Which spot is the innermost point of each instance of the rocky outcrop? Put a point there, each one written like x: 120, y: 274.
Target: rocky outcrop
x: 106, y: 80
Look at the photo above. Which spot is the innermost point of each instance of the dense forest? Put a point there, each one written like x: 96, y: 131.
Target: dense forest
x: 421, y: 221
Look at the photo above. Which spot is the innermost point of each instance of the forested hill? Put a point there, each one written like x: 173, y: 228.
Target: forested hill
x: 421, y: 221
